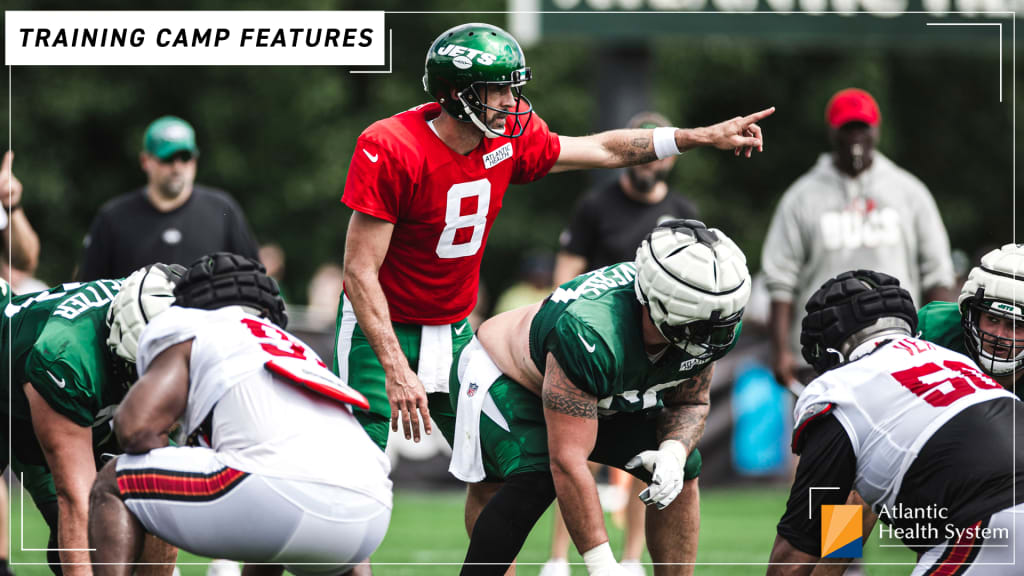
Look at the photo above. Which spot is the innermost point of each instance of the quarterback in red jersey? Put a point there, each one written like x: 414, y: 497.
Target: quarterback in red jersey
x: 426, y: 186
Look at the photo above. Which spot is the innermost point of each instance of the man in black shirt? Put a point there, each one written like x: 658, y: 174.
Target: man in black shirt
x: 171, y: 219
x: 923, y: 435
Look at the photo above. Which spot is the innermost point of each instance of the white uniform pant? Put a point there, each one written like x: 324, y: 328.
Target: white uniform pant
x: 187, y: 497
x: 988, y: 550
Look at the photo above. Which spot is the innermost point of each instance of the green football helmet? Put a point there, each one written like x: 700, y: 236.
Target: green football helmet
x: 468, y: 60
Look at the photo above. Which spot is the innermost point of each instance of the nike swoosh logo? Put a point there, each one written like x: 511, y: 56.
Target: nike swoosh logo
x: 458, y: 331
x: 372, y: 157
x: 590, y: 347
x: 60, y: 383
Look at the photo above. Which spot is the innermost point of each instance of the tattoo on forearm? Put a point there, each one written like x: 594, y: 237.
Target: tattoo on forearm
x: 682, y: 423
x: 686, y: 409
x: 560, y: 395
x: 695, y: 391
x: 636, y: 148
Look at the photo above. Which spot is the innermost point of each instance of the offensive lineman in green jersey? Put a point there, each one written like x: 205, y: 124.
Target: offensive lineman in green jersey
x: 987, y: 322
x: 613, y: 367
x: 65, y: 383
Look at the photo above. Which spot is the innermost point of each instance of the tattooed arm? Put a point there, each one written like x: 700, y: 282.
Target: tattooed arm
x: 571, y: 418
x: 618, y: 148
x: 686, y: 409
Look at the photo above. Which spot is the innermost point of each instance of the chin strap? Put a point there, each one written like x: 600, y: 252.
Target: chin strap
x: 487, y: 130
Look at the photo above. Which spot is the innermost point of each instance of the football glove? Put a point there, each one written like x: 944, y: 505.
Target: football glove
x: 666, y: 466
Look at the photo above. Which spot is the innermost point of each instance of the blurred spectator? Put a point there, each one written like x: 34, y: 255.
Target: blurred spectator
x: 273, y: 259
x: 609, y: 222
x: 170, y: 219
x: 20, y: 242
x: 534, y: 283
x: 855, y: 209
x: 323, y: 295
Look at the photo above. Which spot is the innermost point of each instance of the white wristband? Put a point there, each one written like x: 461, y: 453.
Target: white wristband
x: 665, y: 142
x: 676, y: 448
x: 599, y: 559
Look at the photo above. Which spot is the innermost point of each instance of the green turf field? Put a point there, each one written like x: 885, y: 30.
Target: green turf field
x: 737, y: 526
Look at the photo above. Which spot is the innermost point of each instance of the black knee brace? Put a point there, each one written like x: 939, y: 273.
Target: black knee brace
x: 506, y: 521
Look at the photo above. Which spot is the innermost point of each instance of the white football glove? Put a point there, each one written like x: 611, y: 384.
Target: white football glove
x: 666, y: 466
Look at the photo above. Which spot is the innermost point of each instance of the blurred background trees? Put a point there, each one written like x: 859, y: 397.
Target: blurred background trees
x: 280, y: 138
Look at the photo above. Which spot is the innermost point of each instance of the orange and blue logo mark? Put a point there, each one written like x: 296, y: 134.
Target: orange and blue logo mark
x: 841, y: 531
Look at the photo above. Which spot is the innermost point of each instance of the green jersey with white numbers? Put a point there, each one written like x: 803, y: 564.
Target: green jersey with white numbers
x: 57, y: 341
x: 592, y: 326
x: 939, y: 323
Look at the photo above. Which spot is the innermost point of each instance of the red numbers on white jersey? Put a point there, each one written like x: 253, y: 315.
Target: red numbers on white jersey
x: 277, y: 342
x: 945, y: 384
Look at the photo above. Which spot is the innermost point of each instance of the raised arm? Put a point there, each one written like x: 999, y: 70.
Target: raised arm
x: 618, y: 148
x: 24, y: 242
x: 366, y: 245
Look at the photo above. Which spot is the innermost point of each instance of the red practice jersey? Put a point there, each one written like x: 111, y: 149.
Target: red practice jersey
x: 442, y: 204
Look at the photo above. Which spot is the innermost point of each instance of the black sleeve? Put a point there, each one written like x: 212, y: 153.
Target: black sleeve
x: 580, y: 235
x: 240, y: 237
x: 827, y: 460
x: 96, y: 252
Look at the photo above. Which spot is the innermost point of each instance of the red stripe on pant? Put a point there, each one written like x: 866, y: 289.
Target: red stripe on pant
x: 957, y: 555
x: 169, y: 483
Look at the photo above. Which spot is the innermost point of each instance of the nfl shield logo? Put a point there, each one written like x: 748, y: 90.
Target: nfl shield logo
x: 472, y: 389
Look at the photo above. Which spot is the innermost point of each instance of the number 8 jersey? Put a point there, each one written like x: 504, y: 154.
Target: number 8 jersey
x: 442, y: 204
x: 890, y: 403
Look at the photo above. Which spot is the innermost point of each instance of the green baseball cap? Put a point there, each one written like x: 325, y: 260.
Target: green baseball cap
x: 168, y: 135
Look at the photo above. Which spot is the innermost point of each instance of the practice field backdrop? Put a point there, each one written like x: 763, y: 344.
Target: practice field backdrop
x: 737, y: 526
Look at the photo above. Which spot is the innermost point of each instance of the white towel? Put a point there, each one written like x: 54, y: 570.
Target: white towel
x: 435, y: 358
x: 477, y: 372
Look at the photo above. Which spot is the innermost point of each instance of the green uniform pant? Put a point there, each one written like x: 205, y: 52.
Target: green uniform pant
x: 523, y: 447
x: 363, y: 371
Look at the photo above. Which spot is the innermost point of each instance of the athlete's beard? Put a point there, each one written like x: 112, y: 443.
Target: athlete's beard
x: 645, y: 182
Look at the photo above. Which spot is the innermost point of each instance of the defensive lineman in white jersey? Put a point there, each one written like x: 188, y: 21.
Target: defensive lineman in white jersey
x: 282, y: 473
x: 919, y: 431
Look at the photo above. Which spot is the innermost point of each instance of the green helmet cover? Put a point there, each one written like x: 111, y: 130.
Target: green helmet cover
x: 469, y: 58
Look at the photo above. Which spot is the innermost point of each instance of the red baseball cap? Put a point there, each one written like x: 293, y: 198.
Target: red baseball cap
x: 852, y: 105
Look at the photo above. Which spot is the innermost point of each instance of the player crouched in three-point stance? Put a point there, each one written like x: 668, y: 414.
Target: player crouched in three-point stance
x: 919, y: 431
x: 614, y: 367
x: 283, y: 474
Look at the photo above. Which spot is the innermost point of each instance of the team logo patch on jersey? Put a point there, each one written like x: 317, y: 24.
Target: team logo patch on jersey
x: 471, y: 390
x: 498, y: 156
x: 841, y: 531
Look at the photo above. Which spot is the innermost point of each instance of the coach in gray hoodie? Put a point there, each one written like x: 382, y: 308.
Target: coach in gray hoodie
x: 855, y: 209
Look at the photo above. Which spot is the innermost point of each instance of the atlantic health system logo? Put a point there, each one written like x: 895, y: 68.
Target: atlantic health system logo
x: 841, y: 531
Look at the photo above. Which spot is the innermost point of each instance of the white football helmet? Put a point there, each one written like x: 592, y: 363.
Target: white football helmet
x: 695, y: 284
x: 144, y: 294
x: 995, y: 289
